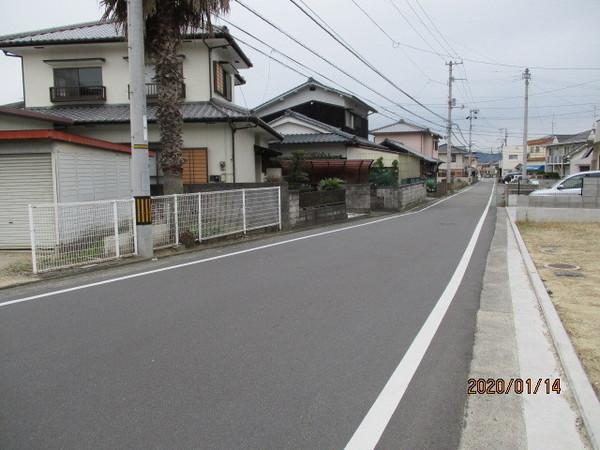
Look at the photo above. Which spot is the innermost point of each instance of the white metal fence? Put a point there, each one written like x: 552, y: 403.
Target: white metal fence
x: 207, y: 215
x: 72, y: 234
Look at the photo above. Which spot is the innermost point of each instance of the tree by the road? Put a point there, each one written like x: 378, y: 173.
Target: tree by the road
x: 167, y: 21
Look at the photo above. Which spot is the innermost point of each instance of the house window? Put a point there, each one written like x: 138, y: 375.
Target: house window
x: 222, y: 81
x: 195, y: 166
x: 78, y: 83
x: 349, y: 119
x: 513, y: 156
x: 453, y: 158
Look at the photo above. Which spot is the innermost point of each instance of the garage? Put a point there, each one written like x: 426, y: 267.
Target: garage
x: 47, y: 166
x: 24, y: 179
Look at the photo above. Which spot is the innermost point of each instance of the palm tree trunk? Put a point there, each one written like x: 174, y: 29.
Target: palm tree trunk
x: 164, y: 50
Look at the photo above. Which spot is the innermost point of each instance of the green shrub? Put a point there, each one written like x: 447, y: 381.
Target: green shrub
x: 384, y: 176
x: 330, y: 184
x: 188, y: 239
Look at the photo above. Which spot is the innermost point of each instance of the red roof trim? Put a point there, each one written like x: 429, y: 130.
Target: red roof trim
x: 55, y: 135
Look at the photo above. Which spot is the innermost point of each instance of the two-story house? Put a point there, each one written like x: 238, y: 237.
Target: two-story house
x: 458, y: 165
x: 420, y: 139
x: 320, y: 120
x: 567, y: 148
x: 81, y: 73
x: 68, y: 140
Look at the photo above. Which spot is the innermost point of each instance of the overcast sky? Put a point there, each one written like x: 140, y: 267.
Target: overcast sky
x: 537, y: 33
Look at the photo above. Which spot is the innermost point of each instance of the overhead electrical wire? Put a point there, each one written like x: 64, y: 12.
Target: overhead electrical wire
x: 357, y: 80
x: 328, y: 29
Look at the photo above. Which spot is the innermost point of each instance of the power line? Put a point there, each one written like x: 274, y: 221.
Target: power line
x: 307, y: 48
x: 395, y: 44
x: 327, y: 29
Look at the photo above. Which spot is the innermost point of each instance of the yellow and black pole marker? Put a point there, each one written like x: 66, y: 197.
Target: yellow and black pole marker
x: 143, y: 210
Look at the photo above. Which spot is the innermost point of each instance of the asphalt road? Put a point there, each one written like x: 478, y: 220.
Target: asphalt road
x: 283, y: 347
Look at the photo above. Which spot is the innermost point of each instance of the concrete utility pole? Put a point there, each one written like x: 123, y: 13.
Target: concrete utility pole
x: 472, y: 115
x: 140, y: 176
x: 526, y: 77
x: 451, y: 103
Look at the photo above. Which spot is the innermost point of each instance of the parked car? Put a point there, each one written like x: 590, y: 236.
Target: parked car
x: 570, y: 185
x: 509, y: 176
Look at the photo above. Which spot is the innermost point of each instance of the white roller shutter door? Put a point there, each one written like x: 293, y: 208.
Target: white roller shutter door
x: 24, y: 179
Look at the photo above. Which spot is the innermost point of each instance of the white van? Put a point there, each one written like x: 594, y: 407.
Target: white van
x: 570, y: 185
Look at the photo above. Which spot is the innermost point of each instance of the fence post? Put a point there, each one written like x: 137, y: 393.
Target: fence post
x: 175, y: 210
x: 199, y: 216
x: 279, y: 205
x: 134, y: 224
x: 244, y: 208
x: 32, y: 237
x: 116, y: 227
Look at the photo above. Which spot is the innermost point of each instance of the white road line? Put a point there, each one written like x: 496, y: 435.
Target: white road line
x: 227, y: 255
x: 373, y: 425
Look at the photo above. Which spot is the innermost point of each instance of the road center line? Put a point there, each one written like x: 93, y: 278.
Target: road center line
x: 373, y: 425
x: 227, y: 255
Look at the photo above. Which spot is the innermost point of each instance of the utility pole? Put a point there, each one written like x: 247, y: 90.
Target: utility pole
x: 140, y: 176
x: 472, y: 115
x: 526, y: 77
x: 451, y: 104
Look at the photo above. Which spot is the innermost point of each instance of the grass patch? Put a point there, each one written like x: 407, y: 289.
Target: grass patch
x: 577, y: 300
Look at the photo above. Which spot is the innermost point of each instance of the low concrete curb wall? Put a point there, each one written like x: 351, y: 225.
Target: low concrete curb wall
x: 584, y: 394
x: 532, y: 214
x: 400, y: 197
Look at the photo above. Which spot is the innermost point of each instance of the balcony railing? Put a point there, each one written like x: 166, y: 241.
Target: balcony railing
x: 152, y: 91
x: 77, y: 93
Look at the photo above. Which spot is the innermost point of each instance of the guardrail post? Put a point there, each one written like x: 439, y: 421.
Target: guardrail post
x: 244, y: 208
x: 116, y: 227
x: 176, y: 212
x: 32, y: 238
x: 279, y: 205
x: 199, y: 216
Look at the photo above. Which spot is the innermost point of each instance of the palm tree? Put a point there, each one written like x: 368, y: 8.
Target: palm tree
x: 167, y: 22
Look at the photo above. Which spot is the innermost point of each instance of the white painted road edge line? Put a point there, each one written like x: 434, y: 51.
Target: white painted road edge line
x: 373, y: 425
x: 585, y: 397
x: 227, y: 255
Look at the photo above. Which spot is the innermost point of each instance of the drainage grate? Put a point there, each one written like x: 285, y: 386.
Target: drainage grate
x: 562, y: 266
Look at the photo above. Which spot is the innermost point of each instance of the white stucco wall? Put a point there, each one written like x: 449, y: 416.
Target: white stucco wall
x: 215, y: 137
x: 39, y: 77
x: 365, y: 153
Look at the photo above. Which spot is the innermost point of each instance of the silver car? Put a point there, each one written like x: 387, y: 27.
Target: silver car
x: 570, y: 185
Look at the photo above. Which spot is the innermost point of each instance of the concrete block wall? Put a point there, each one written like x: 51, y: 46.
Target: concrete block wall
x: 400, y: 197
x: 293, y: 208
x: 358, y: 198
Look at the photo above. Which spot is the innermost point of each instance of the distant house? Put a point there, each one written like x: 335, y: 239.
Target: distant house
x: 422, y: 139
x: 488, y: 163
x: 459, y: 164
x: 319, y: 120
x: 512, y: 157
x: 80, y: 73
x: 595, y: 158
x: 322, y: 103
x: 567, y: 149
x: 536, y: 152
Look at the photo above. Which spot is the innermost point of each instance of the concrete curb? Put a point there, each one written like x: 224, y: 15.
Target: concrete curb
x: 584, y: 394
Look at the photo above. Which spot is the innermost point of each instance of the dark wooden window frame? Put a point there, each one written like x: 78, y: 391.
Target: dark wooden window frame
x: 225, y: 90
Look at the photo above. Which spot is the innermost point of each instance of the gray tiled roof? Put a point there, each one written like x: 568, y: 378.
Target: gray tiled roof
x: 402, y: 148
x: 100, y: 31
x: 311, y: 82
x: 210, y: 111
x: 314, y: 138
x: 334, y: 135
x: 80, y: 32
x: 455, y: 149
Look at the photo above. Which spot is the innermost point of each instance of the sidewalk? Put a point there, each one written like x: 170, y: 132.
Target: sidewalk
x: 512, y: 342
